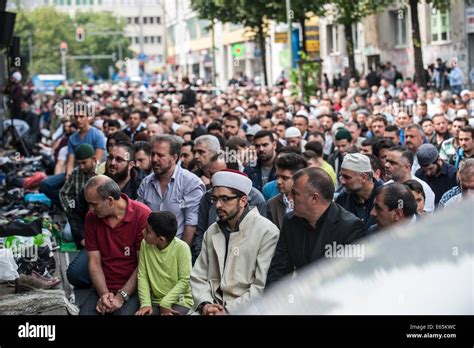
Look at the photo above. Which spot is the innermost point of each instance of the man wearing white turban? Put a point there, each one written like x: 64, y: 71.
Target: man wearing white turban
x: 236, y: 251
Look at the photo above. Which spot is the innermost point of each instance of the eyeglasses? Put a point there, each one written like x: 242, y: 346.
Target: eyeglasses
x: 223, y: 199
x: 110, y: 158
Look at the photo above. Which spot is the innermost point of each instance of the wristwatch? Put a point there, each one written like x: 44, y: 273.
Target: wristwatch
x: 124, y: 295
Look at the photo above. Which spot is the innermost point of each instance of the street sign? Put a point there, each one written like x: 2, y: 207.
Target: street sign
x: 80, y: 34
x: 238, y: 50
x: 312, y: 36
x: 281, y: 37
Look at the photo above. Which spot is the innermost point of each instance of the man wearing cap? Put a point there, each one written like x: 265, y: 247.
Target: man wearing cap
x: 86, y: 169
x: 315, y: 223
x: 236, y: 251
x: 343, y: 142
x: 293, y: 138
x: 359, y: 184
x: 262, y: 170
x: 439, y: 175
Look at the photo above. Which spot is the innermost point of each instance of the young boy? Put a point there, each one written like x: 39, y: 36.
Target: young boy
x: 164, y: 268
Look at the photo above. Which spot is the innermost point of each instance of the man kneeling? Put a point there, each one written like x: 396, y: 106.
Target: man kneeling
x: 236, y: 251
x: 113, y: 234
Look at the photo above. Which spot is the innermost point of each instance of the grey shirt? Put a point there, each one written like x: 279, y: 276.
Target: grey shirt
x: 182, y: 197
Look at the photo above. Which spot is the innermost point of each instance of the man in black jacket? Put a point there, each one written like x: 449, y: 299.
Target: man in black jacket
x: 315, y: 225
x: 120, y: 166
x: 189, y: 96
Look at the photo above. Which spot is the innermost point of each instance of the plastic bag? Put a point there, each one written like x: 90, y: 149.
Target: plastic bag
x: 8, y: 266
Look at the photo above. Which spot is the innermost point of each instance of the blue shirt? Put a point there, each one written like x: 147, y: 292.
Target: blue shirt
x: 182, y: 196
x: 93, y: 137
x: 270, y: 190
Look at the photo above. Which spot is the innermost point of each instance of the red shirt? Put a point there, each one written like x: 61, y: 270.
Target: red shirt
x: 118, y: 245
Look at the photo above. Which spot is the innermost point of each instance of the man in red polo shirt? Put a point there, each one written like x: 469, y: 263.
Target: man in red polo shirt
x: 113, y: 233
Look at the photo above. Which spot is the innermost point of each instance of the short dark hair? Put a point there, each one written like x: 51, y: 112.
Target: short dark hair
x: 119, y: 137
x: 462, y: 119
x: 318, y: 180
x: 424, y: 121
x: 127, y: 146
x: 393, y: 128
x: 262, y: 134
x: 380, y: 118
x: 407, y: 154
x: 398, y: 195
x: 144, y: 146
x: 231, y: 117
x: 188, y: 143
x: 163, y: 223
x: 368, y: 142
x: 415, y: 186
x: 382, y: 144
x: 289, y: 149
x: 215, y: 125
x: 302, y: 116
x: 375, y: 163
x: 112, y: 123
x: 468, y: 129
x: 291, y: 162
x: 314, y: 146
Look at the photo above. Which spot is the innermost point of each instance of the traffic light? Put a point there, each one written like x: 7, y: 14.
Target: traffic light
x: 80, y: 34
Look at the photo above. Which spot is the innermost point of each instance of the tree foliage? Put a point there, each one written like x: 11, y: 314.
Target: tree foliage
x: 47, y: 28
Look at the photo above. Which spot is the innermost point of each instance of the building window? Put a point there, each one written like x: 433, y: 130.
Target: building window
x: 356, y: 36
x: 45, y: 2
x: 152, y: 39
x: 203, y: 25
x: 158, y: 20
x: 151, y: 20
x: 158, y: 39
x: 145, y: 20
x: 440, y: 25
x: 399, y: 23
x: 171, y: 36
x: 145, y: 39
x: 137, y: 20
x: 191, y: 25
x: 129, y: 20
x: 333, y: 38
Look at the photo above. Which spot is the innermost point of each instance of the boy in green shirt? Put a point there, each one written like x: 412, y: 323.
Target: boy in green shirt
x: 164, y: 268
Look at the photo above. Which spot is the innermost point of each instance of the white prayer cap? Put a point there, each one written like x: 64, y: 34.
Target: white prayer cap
x: 232, y: 179
x: 292, y: 132
x: 357, y: 162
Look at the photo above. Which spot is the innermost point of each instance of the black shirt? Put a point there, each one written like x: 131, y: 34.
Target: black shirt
x: 440, y: 183
x: 311, y: 235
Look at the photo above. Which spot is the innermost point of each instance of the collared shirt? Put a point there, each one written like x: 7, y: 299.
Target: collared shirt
x: 182, y: 196
x: 456, y: 190
x: 141, y: 127
x: 73, y: 186
x: 447, y: 150
x: 288, y: 203
x: 311, y: 235
x: 429, y: 194
x: 118, y: 245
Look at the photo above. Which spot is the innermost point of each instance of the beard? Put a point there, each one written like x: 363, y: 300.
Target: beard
x: 119, y: 176
x: 226, y: 216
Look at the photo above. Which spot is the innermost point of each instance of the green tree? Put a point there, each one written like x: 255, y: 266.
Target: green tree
x: 350, y: 12
x: 253, y: 15
x: 47, y: 28
x: 416, y: 37
x: 308, y: 82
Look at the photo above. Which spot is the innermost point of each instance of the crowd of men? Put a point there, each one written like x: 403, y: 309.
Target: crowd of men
x: 189, y: 202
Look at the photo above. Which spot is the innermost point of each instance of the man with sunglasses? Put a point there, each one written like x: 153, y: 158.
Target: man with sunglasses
x: 231, y: 269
